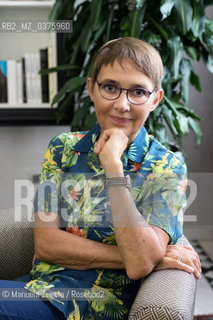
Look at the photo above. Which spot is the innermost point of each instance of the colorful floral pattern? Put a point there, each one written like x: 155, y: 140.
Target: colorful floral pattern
x: 72, y: 185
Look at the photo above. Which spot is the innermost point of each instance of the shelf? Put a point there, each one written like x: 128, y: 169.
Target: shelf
x: 27, y: 106
x: 37, y: 4
x: 27, y: 116
x: 14, y: 46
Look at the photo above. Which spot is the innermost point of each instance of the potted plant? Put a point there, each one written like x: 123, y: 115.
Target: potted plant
x: 180, y: 31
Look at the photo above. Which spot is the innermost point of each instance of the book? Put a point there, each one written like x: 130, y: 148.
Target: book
x: 19, y: 80
x: 28, y: 75
x: 33, y: 76
x: 44, y: 77
x: 50, y: 75
x: 3, y: 81
x: 11, y: 81
x: 36, y: 78
x: 24, y: 89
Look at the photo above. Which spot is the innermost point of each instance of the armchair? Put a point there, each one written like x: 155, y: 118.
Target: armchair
x: 163, y: 295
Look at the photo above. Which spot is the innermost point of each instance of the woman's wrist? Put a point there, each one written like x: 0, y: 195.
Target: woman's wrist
x: 114, y: 169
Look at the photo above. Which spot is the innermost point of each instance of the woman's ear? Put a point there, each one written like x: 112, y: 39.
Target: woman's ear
x: 158, y: 99
x: 90, y: 88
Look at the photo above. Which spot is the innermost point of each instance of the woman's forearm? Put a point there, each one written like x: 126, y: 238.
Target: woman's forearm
x: 75, y: 252
x: 138, y: 243
x: 141, y: 246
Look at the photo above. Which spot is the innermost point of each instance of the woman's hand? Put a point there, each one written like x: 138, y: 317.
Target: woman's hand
x: 109, y: 147
x: 181, y: 257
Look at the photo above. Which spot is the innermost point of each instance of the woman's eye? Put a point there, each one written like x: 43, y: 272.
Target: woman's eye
x: 138, y: 92
x: 109, y: 88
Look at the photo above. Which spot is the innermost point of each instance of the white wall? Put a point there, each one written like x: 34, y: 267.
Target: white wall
x: 21, y: 154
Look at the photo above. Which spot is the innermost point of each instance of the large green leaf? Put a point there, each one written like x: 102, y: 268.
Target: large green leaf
x: 185, y: 81
x: 152, y: 38
x: 90, y: 120
x: 188, y: 111
x: 181, y: 124
x: 154, y: 24
x: 168, y: 116
x: 69, y: 86
x: 193, y: 52
x: 136, y: 22
x: 79, y: 116
x: 86, y: 35
x: 170, y: 103
x: 180, y: 121
x: 196, y: 128
x: 95, y: 10
x: 184, y: 15
x: 61, y: 112
x: 208, y: 35
x: 198, y: 20
x: 195, y: 81
x: 209, y: 63
x: 161, y: 133
x: 140, y: 3
x: 55, y: 10
x: 100, y: 31
x: 109, y: 25
x: 175, y: 46
x: 59, y: 68
x: 166, y: 8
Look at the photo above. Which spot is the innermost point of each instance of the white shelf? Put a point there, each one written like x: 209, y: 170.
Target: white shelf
x: 37, y: 4
x: 27, y: 106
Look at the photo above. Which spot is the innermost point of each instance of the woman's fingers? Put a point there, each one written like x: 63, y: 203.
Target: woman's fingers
x: 186, y: 247
x: 186, y: 267
x: 183, y: 266
x: 197, y: 262
x: 171, y: 263
x: 191, y: 262
x: 116, y: 140
x: 184, y: 257
x: 101, y: 142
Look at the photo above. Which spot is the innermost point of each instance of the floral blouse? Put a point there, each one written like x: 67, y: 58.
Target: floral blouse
x: 72, y: 185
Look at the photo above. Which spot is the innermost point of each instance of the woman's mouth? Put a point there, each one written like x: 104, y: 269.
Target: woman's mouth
x: 120, y: 120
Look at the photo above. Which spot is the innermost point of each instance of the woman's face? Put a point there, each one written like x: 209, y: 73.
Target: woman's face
x: 120, y: 113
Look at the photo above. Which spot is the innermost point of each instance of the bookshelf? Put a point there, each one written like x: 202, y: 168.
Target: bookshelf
x: 34, y: 4
x: 15, y: 45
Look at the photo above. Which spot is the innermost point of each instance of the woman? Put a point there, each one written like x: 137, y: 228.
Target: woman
x: 109, y: 206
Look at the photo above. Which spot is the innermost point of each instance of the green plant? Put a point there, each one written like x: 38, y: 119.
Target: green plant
x: 180, y: 31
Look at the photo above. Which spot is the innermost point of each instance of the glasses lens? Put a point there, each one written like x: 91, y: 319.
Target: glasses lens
x: 109, y: 91
x: 138, y: 95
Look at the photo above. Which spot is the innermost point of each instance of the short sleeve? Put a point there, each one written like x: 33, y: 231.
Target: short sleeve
x: 47, y: 198
x: 161, y: 196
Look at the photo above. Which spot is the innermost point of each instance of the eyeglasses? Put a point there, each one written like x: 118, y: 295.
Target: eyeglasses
x: 135, y: 95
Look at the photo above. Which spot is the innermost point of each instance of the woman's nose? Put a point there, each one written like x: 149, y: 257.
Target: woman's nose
x: 122, y: 104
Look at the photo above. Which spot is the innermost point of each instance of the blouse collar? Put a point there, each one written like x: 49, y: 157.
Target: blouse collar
x: 136, y: 152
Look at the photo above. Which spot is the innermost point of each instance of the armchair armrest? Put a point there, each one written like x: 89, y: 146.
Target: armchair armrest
x: 16, y: 245
x: 166, y: 295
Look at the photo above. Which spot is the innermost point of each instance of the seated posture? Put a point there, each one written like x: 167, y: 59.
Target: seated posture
x: 109, y: 207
